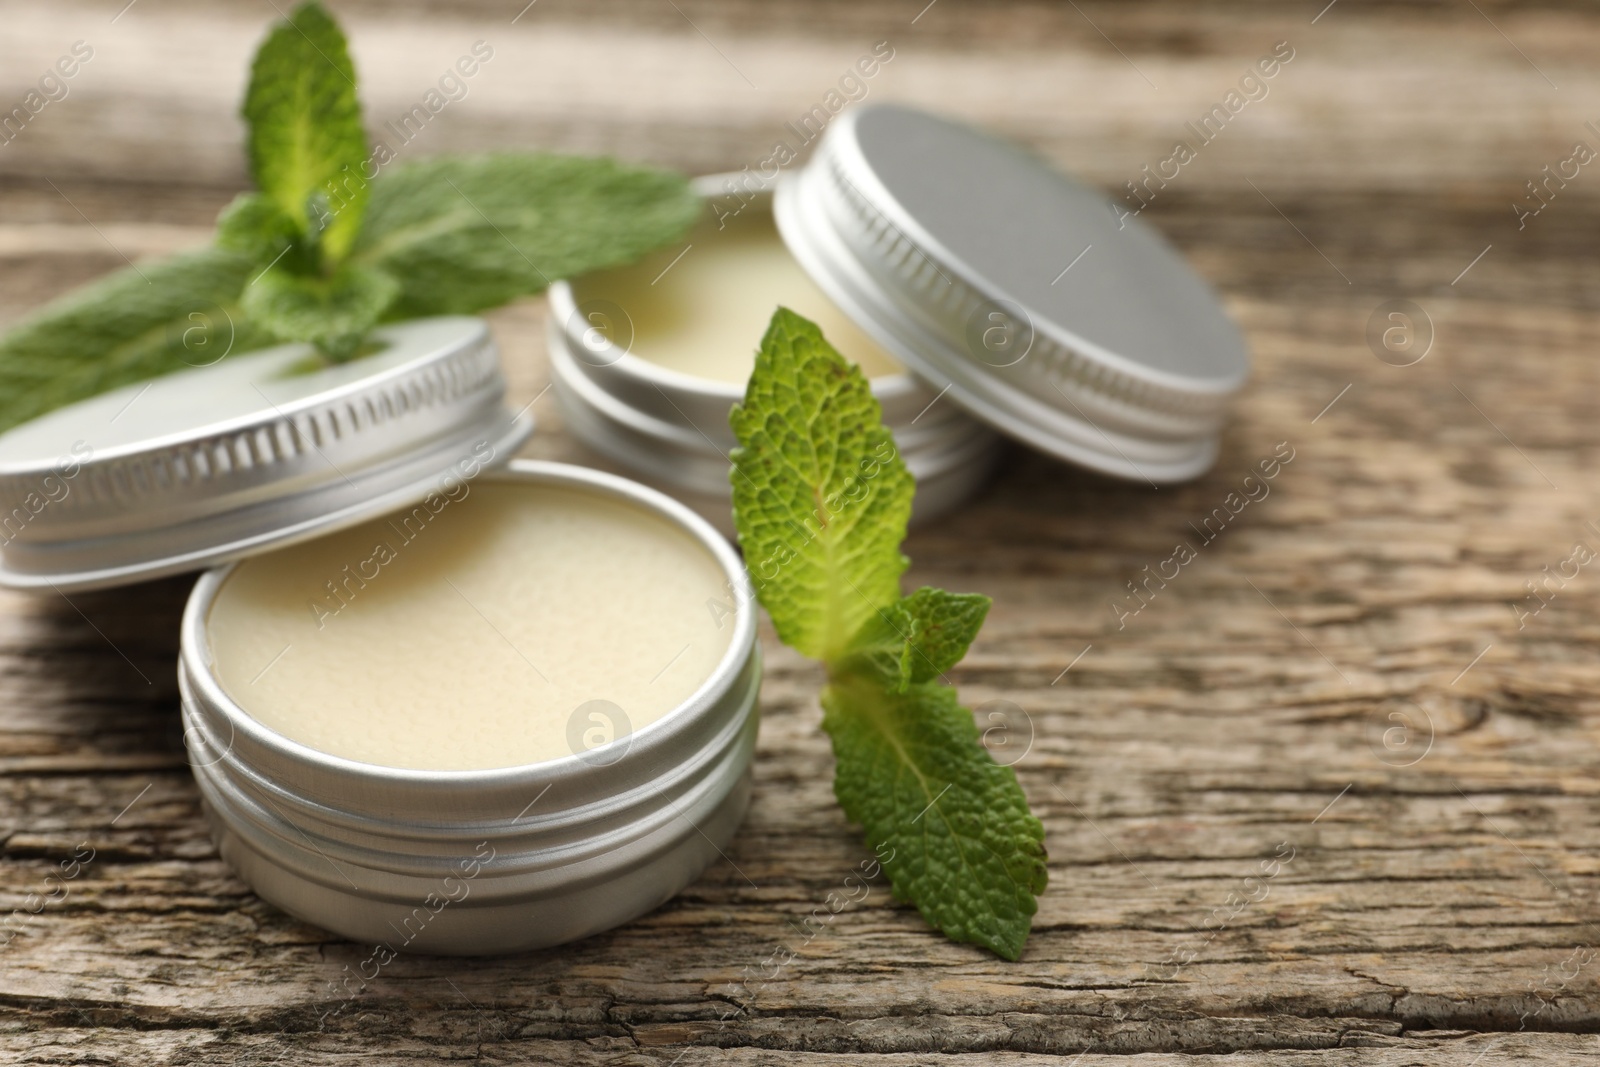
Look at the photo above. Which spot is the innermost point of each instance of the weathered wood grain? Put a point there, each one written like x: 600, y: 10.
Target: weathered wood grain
x: 1443, y: 902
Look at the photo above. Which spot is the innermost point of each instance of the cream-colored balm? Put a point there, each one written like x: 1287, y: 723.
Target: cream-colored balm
x: 701, y: 308
x: 510, y: 625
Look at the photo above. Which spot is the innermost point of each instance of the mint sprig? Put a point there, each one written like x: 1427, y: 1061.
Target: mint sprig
x: 821, y: 500
x: 338, y: 238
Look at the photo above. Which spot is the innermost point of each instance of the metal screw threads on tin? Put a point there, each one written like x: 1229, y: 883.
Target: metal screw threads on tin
x: 466, y: 862
x: 670, y: 428
x: 1038, y: 305
x: 257, y: 450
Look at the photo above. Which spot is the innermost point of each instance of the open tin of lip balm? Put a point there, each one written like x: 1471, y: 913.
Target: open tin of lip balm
x: 524, y: 719
x: 646, y: 361
x: 1015, y: 297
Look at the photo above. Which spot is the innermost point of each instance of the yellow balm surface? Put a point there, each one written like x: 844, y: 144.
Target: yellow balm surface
x: 701, y: 308
x: 499, y: 625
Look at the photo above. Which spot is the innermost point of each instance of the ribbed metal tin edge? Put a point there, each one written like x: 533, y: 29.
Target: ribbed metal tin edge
x: 200, y: 542
x: 195, y: 660
x: 1151, y: 426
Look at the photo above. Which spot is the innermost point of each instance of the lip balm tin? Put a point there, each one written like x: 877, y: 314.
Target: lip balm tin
x: 671, y: 430
x: 483, y: 861
x: 1017, y: 297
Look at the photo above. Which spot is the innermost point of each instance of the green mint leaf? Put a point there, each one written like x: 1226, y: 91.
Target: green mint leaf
x: 306, y: 142
x: 127, y: 327
x: 254, y: 225
x: 919, y: 638
x: 332, y: 313
x: 961, y: 843
x: 821, y: 500
x: 467, y: 233
x: 820, y: 495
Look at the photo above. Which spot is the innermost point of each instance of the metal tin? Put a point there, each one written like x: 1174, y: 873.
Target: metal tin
x: 217, y: 462
x: 671, y: 429
x: 1044, y: 309
x: 482, y: 862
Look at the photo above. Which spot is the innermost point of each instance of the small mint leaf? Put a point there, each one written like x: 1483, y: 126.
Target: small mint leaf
x: 820, y: 495
x: 919, y: 638
x: 463, y: 233
x: 254, y: 225
x: 127, y: 327
x: 961, y: 843
x: 306, y: 144
x: 332, y: 313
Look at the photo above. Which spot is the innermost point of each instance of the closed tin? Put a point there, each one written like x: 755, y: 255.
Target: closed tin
x: 250, y: 452
x: 482, y: 861
x: 671, y: 429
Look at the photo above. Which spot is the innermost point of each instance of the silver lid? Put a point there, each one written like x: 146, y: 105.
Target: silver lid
x: 1060, y: 321
x: 252, y: 452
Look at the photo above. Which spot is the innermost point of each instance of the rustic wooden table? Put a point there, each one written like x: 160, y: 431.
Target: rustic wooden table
x: 1343, y: 675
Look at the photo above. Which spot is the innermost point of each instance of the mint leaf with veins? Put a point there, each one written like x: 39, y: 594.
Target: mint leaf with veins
x: 920, y: 637
x: 821, y: 499
x: 463, y: 233
x: 131, y: 325
x: 332, y: 313
x: 254, y: 225
x: 820, y: 494
x: 912, y: 771
x: 306, y: 136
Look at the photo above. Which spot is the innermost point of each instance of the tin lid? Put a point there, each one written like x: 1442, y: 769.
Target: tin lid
x: 246, y: 454
x: 1045, y: 310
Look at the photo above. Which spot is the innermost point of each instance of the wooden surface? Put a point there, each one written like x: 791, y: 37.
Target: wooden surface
x: 1441, y: 905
